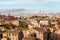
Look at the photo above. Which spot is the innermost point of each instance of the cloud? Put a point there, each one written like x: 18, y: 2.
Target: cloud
x: 52, y: 0
x: 13, y: 2
x: 56, y: 0
x: 27, y: 1
x: 8, y: 2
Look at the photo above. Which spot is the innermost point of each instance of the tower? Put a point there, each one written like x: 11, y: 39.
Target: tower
x: 0, y: 16
x: 0, y: 13
x: 8, y: 14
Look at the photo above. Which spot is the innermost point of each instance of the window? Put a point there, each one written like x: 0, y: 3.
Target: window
x: 8, y: 38
x: 41, y: 36
x: 9, y: 35
x: 40, y: 33
x: 15, y: 34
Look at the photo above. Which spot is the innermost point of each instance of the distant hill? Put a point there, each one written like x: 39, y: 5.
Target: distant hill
x: 23, y: 12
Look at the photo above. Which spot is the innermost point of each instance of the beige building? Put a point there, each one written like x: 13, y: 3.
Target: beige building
x: 33, y: 23
x: 11, y: 34
x: 55, y: 35
x: 14, y: 34
x: 4, y: 38
x: 30, y: 26
x: 57, y: 31
x: 44, y: 22
x: 29, y: 38
x: 15, y: 22
x: 39, y: 32
x: 7, y: 22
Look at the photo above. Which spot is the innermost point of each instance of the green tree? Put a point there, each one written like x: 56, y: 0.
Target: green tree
x: 51, y: 25
x: 10, y: 25
x: 24, y: 25
x: 7, y: 26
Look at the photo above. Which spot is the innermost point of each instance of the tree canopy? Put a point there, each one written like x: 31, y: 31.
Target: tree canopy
x: 24, y: 25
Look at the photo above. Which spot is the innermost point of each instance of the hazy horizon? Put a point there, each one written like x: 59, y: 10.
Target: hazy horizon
x: 24, y: 12
x: 44, y: 5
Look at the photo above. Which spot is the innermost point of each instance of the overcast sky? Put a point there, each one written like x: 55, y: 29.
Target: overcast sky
x: 45, y: 5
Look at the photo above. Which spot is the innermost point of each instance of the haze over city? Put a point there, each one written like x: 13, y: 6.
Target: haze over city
x: 44, y: 5
x: 29, y: 19
x: 29, y: 7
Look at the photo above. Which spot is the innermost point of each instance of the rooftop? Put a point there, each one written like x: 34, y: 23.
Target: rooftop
x: 12, y: 31
x: 40, y: 29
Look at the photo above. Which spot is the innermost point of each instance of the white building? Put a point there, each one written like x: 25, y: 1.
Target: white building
x: 34, y: 23
x: 44, y: 22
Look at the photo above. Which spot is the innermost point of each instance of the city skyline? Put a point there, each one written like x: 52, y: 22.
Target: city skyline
x: 44, y: 5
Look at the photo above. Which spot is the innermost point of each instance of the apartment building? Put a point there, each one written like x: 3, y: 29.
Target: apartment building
x: 44, y: 22
x: 39, y: 33
x: 35, y: 22
x: 12, y: 35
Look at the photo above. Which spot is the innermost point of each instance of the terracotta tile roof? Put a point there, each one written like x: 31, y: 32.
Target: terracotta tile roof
x: 40, y: 29
x: 12, y: 31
